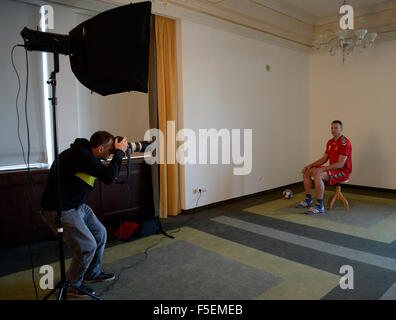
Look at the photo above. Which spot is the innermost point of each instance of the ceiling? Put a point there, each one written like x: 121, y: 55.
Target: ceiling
x: 323, y: 8
x: 310, y: 11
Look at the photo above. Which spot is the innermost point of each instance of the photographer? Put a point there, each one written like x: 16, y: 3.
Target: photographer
x: 83, y: 233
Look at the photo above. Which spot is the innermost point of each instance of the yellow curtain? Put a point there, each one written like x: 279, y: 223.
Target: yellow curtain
x: 167, y: 100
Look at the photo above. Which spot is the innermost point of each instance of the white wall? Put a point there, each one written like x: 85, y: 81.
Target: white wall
x: 362, y: 94
x: 226, y: 85
x: 67, y: 108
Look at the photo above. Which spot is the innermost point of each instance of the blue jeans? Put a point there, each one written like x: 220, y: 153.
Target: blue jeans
x: 86, y: 236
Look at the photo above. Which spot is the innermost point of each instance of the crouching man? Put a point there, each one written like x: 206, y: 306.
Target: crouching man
x: 83, y: 233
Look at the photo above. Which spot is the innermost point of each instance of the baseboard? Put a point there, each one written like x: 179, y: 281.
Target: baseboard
x: 357, y: 187
x: 289, y: 186
x: 229, y: 201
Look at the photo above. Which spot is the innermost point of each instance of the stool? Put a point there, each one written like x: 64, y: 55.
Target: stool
x: 338, y: 195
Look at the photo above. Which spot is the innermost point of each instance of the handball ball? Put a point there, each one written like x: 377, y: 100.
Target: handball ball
x: 287, y: 194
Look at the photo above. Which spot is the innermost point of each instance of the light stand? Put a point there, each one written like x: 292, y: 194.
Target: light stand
x: 63, y: 285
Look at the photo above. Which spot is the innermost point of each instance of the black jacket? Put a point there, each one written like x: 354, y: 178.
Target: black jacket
x: 78, y: 170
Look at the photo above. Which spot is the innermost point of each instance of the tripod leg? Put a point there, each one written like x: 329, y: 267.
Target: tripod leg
x: 167, y: 235
x: 60, y: 295
x: 162, y: 230
x: 59, y: 285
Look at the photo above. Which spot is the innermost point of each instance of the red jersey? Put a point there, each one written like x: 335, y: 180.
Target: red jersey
x: 340, y: 147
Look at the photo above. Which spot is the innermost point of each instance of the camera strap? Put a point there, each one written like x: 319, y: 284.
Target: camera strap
x: 128, y: 153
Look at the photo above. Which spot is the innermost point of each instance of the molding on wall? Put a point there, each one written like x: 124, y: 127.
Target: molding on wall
x: 361, y: 12
x: 383, y: 22
x: 240, y: 19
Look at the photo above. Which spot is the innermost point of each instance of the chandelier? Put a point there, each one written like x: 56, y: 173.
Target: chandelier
x: 347, y: 41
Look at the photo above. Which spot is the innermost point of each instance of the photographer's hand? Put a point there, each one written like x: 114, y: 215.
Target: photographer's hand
x: 122, y: 145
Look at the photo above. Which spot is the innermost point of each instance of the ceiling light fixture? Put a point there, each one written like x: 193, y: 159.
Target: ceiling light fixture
x: 347, y: 40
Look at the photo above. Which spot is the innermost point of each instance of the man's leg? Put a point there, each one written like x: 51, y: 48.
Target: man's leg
x: 78, y: 238
x: 308, y: 189
x: 307, y: 182
x: 100, y: 234
x: 319, y: 178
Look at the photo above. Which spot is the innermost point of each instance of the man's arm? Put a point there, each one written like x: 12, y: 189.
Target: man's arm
x: 321, y: 161
x: 338, y: 165
x: 317, y: 163
x: 105, y: 173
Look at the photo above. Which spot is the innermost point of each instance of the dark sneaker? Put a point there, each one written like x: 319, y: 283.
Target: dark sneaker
x: 75, y: 293
x: 103, y: 277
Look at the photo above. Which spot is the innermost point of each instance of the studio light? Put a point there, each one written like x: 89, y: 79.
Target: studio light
x: 109, y: 53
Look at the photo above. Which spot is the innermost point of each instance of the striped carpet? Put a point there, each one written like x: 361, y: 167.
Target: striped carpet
x: 269, y: 250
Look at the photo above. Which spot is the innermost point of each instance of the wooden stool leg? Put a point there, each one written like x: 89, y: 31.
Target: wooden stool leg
x: 333, y: 198
x: 343, y: 199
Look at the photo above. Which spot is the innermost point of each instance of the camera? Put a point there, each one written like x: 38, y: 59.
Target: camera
x: 140, y: 146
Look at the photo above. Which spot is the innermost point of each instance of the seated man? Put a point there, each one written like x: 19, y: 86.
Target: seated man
x: 339, y: 152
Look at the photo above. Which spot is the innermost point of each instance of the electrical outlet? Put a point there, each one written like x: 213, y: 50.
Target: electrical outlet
x: 203, y: 189
x: 195, y: 190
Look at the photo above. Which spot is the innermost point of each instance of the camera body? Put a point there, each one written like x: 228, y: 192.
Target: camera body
x: 141, y: 146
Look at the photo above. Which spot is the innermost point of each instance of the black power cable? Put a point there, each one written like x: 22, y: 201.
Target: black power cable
x: 193, y: 211
x: 109, y: 287
x: 16, y: 100
x: 196, y: 204
x: 26, y: 161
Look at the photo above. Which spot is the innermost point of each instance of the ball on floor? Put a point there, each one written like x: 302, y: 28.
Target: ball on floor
x: 287, y: 194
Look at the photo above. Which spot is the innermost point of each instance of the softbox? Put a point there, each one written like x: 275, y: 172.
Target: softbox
x: 111, y: 50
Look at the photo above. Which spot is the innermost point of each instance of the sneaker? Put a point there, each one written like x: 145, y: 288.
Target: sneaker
x: 75, y: 293
x: 315, y: 210
x: 103, y: 277
x: 304, y: 204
